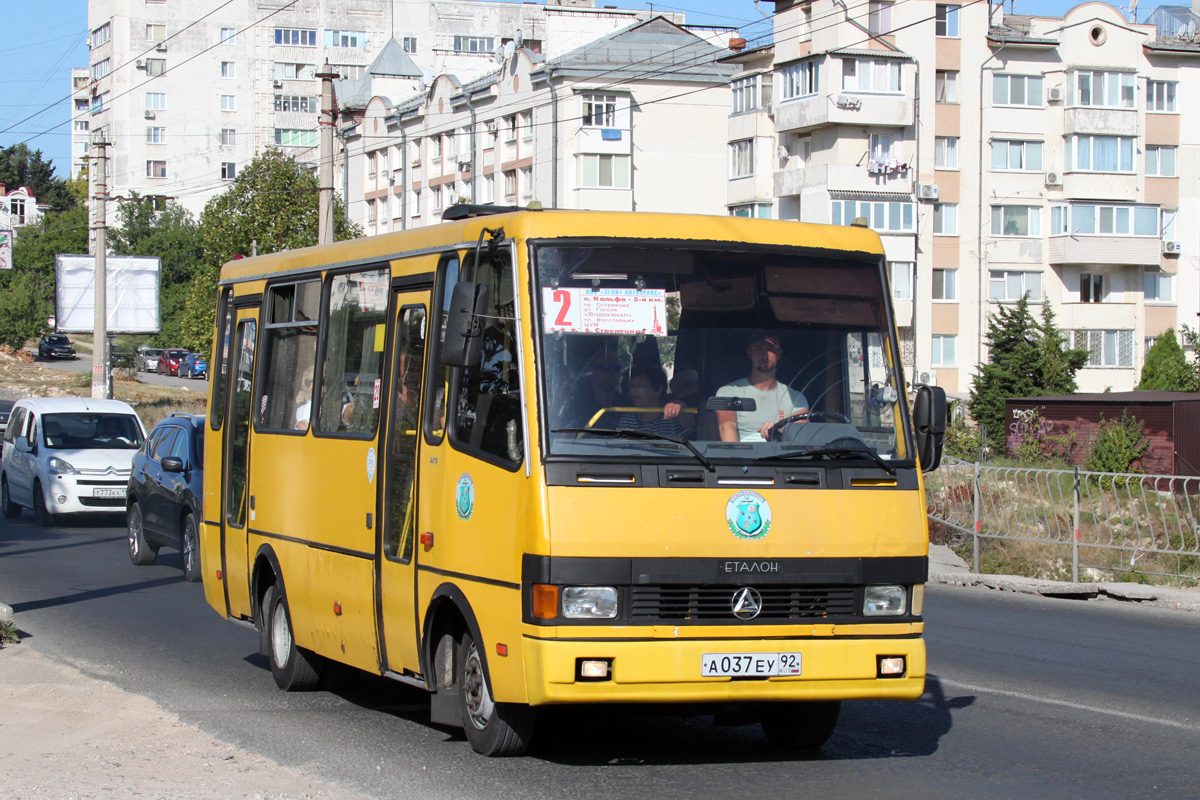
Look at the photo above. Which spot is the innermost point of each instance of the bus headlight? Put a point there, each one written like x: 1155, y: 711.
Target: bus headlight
x: 884, y: 601
x: 589, y: 602
x: 60, y: 467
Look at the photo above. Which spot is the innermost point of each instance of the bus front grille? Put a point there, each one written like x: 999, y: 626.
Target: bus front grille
x: 672, y: 602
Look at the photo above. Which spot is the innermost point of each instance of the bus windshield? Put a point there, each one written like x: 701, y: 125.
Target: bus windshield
x: 746, y: 352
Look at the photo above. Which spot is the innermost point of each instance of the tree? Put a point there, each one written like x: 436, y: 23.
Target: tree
x: 1167, y: 368
x: 28, y: 289
x: 20, y: 166
x: 1026, y: 359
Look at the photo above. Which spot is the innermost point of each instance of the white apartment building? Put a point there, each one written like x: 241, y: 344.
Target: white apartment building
x: 995, y: 155
x: 634, y: 121
x: 185, y: 94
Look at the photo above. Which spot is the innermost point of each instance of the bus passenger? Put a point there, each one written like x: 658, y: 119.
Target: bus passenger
x: 304, y: 400
x: 647, y: 385
x: 773, y: 400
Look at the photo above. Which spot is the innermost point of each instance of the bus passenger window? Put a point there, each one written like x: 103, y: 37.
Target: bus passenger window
x: 439, y: 377
x: 291, y: 350
x: 352, y: 366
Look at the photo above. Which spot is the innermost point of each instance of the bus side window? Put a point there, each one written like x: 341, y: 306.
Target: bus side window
x: 439, y: 374
x: 220, y: 370
x: 291, y: 350
x: 352, y: 362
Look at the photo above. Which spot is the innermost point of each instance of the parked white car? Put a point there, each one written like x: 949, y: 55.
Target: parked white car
x: 68, y: 455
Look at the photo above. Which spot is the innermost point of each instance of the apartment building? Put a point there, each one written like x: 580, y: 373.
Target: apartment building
x: 996, y: 155
x: 186, y: 94
x: 634, y: 121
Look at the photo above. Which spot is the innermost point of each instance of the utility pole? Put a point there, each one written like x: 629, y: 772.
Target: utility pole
x: 325, y: 170
x: 98, y: 172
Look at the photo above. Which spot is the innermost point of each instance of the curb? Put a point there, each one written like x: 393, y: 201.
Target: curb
x: 1162, y: 597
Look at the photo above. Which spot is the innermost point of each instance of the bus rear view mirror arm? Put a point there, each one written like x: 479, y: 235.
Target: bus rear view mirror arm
x: 464, y: 324
x: 929, y: 423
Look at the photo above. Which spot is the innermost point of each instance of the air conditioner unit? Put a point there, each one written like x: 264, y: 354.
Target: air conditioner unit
x: 1054, y: 94
x: 140, y: 64
x: 848, y: 101
x: 1053, y: 178
x: 149, y: 115
x: 277, y: 84
x: 927, y: 191
x: 928, y: 376
x: 1171, y: 248
x: 162, y: 48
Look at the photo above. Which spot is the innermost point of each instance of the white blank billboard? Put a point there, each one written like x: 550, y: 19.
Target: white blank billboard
x: 133, y: 294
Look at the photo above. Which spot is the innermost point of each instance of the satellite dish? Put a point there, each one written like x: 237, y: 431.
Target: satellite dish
x: 519, y: 39
x: 509, y: 49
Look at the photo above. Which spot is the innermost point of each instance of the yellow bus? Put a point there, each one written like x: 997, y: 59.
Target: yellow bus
x: 528, y: 457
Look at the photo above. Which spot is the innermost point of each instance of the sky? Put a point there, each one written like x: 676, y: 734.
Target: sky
x: 42, y: 40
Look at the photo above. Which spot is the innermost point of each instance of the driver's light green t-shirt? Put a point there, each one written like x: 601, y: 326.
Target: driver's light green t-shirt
x: 771, y: 405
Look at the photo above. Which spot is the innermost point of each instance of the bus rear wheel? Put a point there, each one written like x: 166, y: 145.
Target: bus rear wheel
x: 493, y: 729
x: 803, y: 726
x: 294, y: 668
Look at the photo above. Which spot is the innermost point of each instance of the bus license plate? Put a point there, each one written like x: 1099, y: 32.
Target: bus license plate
x: 108, y: 493
x: 749, y: 665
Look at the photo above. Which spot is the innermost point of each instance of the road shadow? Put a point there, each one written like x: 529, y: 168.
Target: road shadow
x: 91, y: 594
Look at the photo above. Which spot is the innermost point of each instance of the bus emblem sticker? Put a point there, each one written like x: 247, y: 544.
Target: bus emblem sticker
x: 371, y: 465
x: 748, y: 515
x: 464, y: 497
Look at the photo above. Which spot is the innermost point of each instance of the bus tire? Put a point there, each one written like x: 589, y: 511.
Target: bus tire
x: 190, y: 549
x: 493, y: 729
x: 801, y: 725
x: 140, y: 551
x: 294, y: 668
x: 11, y: 509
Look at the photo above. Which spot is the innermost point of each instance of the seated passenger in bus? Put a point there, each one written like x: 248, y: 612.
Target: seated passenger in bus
x: 304, y: 400
x: 685, y: 390
x: 648, y: 384
x: 773, y: 400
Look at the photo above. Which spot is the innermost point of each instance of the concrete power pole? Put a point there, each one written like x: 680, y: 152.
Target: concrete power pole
x: 98, y: 171
x: 325, y: 170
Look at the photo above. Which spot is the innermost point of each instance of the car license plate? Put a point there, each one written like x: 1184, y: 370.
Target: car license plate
x: 108, y: 492
x: 749, y: 665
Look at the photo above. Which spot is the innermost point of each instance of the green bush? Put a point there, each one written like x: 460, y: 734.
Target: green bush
x: 962, y: 441
x: 1119, y: 446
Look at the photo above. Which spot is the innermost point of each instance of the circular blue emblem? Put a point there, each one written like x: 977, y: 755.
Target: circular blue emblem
x: 748, y: 515
x: 464, y: 497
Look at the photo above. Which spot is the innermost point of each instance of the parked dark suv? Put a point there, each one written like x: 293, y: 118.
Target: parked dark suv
x: 55, y: 345
x: 164, y: 493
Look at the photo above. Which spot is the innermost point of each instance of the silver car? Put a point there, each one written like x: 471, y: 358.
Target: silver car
x: 147, y: 359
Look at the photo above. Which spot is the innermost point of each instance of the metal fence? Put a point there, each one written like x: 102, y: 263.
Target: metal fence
x: 1110, y: 522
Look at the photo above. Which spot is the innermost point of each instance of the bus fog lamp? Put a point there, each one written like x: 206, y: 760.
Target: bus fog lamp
x: 593, y: 669
x: 891, y: 666
x: 589, y: 602
x: 884, y: 601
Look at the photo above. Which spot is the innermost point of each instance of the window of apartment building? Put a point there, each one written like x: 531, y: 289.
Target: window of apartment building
x: 304, y: 72
x: 1160, y: 161
x: 228, y: 102
x: 510, y: 185
x: 156, y: 101
x: 81, y: 105
x: 1012, y: 286
x: 409, y: 43
x: 1016, y: 221
x: 752, y: 210
x: 602, y: 171
x: 798, y: 149
x: 945, y: 219
x: 750, y: 94
x: 881, y: 146
x: 1104, y: 89
x: 1017, y: 90
x: 1150, y: 342
x: 1087, y: 219
x: 297, y: 37
x: 100, y: 102
x: 435, y: 197
x: 1012, y: 155
x: 488, y: 189
x: 156, y: 31
x: 16, y: 207
x: 372, y: 214
x: 875, y: 75
x: 884, y: 216
x: 1105, y: 348
x: 1160, y: 96
x: 1089, y: 153
x: 228, y: 69
x: 81, y: 124
x: 524, y: 122
x: 526, y: 182
x: 902, y: 279
x: 474, y: 44
x: 354, y: 71
x: 1157, y: 286
x: 945, y: 152
x: 101, y: 68
x: 800, y: 80
x: 297, y: 102
x: 372, y: 169
x: 415, y: 202
x: 156, y: 135
x: 946, y: 21
x: 945, y: 86
x: 156, y: 169
x: 1091, y: 287
x: 945, y: 284
x: 599, y: 110
x: 156, y: 66
x: 228, y: 137
x: 436, y: 148
x: 102, y: 35
x: 1167, y: 223
x: 228, y: 36
x: 879, y: 16
x: 941, y: 353
x: 741, y: 158
x: 293, y: 137
x: 355, y: 39
x: 228, y: 170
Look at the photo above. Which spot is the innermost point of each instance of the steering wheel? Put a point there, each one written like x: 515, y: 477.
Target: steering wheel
x: 776, y: 432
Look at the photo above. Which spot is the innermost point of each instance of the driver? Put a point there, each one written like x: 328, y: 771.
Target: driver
x: 773, y: 400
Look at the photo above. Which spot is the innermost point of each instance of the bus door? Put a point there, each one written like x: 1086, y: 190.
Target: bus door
x: 398, y: 489
x: 235, y: 466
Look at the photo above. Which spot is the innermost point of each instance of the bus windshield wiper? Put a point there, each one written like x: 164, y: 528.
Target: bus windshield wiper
x: 630, y: 433
x: 837, y: 452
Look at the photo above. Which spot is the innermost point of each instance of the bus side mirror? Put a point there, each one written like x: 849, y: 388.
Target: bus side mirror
x: 929, y: 420
x: 464, y: 324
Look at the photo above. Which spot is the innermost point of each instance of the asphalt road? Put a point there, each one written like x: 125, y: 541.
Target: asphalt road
x: 1027, y: 697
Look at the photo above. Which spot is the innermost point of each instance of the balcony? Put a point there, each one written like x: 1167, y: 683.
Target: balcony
x: 1115, y: 250
x: 844, y: 108
x: 855, y: 178
x: 1103, y: 121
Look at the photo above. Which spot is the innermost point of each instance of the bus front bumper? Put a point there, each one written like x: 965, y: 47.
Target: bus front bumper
x: 671, y: 671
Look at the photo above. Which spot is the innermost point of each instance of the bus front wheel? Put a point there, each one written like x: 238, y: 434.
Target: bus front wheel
x: 804, y: 726
x: 493, y: 729
x: 295, y: 669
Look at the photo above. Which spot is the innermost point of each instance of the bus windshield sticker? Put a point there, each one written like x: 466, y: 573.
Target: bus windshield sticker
x: 609, y: 311
x: 748, y: 515
x: 464, y: 497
